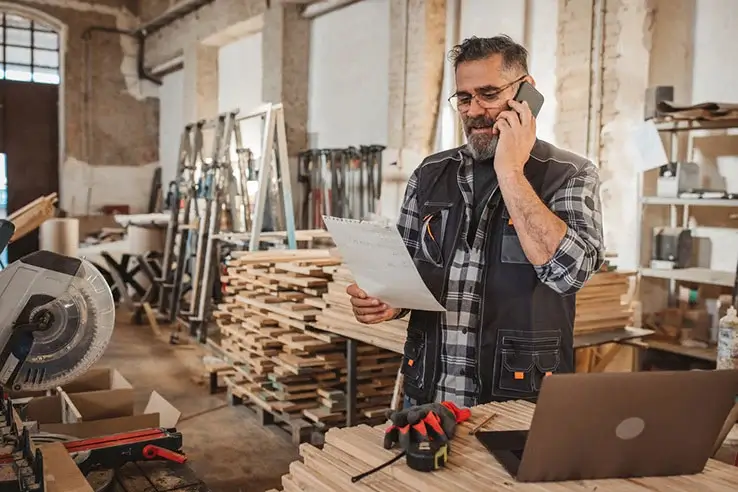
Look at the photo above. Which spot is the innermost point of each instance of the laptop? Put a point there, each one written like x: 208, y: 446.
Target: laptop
x: 618, y: 425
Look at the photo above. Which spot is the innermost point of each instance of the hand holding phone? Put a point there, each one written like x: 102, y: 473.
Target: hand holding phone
x: 526, y: 93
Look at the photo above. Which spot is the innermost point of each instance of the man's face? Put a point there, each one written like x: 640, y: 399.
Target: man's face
x: 483, y: 79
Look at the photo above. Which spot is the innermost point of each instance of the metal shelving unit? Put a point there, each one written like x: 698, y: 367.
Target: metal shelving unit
x: 676, y: 205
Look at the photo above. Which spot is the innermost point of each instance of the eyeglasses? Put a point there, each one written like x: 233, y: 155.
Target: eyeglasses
x: 486, y: 99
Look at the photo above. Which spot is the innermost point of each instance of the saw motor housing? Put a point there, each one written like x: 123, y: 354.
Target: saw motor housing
x: 57, y: 316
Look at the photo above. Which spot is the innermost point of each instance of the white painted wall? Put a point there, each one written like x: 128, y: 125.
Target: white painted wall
x: 715, y: 79
x: 171, y: 124
x: 486, y: 18
x: 239, y: 85
x: 542, y: 62
x: 349, y: 76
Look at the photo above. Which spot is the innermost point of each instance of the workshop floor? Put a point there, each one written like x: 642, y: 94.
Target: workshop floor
x: 227, y: 448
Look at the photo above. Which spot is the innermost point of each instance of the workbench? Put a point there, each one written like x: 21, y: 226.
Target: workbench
x: 157, y: 476
x: 700, y: 357
x: 350, y: 451
x: 581, y: 341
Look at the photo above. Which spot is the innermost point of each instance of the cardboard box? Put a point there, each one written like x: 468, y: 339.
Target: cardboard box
x: 100, y: 379
x: 99, y: 403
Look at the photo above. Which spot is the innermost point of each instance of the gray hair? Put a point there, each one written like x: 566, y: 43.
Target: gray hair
x: 514, y: 55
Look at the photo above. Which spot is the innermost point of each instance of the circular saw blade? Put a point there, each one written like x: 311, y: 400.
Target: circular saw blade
x: 82, y: 322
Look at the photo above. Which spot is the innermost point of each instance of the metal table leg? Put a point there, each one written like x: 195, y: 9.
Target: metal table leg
x: 351, y: 383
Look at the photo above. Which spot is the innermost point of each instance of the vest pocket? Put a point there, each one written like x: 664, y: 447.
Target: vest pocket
x: 545, y: 362
x: 516, y: 374
x: 523, y: 359
x: 511, y: 251
x: 433, y: 224
x: 413, y: 363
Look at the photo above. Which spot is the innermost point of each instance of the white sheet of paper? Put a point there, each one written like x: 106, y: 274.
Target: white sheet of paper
x: 649, y: 145
x: 380, y: 263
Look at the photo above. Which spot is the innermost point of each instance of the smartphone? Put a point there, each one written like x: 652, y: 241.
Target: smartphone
x: 528, y: 93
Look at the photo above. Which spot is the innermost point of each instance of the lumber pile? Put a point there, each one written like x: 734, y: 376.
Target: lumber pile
x: 287, y: 366
x: 602, y: 303
x: 350, y: 451
x: 600, y: 307
x: 337, y: 317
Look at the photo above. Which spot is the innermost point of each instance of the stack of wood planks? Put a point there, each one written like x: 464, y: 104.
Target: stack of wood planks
x: 350, y: 451
x: 285, y: 364
x: 602, y: 303
x: 600, y: 307
x: 337, y: 317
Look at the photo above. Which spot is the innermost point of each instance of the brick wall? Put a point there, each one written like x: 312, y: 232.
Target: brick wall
x: 573, y: 60
x: 149, y: 9
x: 119, y: 125
x: 603, y: 85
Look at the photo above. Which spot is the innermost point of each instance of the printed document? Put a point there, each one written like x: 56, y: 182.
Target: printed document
x: 380, y: 263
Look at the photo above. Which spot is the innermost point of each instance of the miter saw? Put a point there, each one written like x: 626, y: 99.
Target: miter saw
x: 57, y: 315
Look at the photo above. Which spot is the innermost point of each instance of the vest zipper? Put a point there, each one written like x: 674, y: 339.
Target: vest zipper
x: 483, y: 291
x: 439, y: 334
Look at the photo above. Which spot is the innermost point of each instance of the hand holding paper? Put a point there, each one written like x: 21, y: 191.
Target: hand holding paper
x: 369, y: 309
x: 381, y: 264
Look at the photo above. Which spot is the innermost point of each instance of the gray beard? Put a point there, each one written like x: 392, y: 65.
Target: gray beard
x: 482, y: 149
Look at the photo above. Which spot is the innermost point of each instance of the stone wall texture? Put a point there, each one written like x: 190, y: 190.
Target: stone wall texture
x: 109, y: 119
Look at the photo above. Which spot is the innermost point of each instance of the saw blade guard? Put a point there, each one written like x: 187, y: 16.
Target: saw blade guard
x: 82, y: 319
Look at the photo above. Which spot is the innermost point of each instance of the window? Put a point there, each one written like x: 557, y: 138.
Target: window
x: 29, y: 50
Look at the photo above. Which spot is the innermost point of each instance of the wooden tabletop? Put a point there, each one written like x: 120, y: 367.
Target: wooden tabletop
x: 350, y: 451
x: 708, y: 354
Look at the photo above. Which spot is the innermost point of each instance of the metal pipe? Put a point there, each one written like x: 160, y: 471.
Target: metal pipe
x: 175, y: 13
x: 597, y: 46
x: 167, y: 67
x: 142, y: 72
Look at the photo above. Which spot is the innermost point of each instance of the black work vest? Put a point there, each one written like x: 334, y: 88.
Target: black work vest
x: 525, y: 327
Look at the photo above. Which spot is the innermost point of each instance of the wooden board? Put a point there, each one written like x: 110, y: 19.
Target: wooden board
x: 288, y: 366
x: 350, y: 451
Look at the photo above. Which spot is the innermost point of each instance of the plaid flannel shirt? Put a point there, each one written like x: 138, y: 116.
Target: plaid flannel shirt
x: 578, y: 256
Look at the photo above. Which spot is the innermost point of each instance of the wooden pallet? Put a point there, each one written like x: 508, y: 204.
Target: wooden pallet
x: 350, y: 451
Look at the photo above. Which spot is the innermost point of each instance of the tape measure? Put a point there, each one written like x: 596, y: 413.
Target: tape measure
x: 427, y: 456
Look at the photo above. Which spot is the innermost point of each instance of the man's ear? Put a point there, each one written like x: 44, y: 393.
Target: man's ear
x: 530, y: 80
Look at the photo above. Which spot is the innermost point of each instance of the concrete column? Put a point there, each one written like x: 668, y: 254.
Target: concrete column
x: 286, y: 61
x: 417, y: 54
x: 603, y: 72
x: 200, y: 82
x: 573, y: 60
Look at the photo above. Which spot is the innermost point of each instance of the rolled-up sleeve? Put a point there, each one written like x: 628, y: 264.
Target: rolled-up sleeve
x: 580, y: 253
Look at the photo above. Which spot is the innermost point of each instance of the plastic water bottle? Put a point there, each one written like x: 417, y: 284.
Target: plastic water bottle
x: 727, y: 349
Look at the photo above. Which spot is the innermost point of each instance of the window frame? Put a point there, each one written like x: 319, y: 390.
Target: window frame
x: 36, y: 72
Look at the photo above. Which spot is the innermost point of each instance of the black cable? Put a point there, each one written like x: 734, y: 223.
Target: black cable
x: 373, y: 470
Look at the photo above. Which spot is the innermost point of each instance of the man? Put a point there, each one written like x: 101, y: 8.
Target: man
x: 504, y: 231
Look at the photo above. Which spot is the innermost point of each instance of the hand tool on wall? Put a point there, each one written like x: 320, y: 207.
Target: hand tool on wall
x: 343, y: 182
x: 423, y: 433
